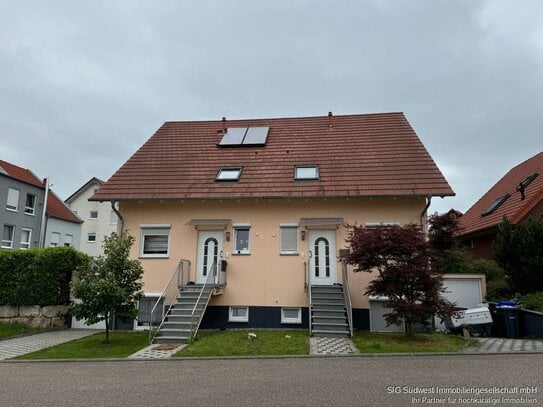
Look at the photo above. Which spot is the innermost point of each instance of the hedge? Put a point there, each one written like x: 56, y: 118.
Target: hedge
x: 38, y: 276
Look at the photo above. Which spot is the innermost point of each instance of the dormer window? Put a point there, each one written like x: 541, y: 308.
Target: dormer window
x: 229, y: 174
x: 306, y: 172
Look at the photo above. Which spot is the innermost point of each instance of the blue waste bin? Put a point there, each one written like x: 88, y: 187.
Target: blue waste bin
x: 509, y: 316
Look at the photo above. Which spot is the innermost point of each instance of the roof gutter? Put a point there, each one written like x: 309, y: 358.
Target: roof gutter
x: 121, y: 219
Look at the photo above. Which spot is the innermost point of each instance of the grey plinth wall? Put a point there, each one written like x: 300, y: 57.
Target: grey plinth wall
x: 35, y: 316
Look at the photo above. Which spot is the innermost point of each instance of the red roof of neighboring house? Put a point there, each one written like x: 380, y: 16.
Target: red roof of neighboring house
x: 20, y: 174
x: 58, y: 209
x: 357, y: 155
x: 513, y: 207
x: 55, y: 207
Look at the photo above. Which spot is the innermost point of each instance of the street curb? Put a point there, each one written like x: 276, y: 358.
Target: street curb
x: 277, y: 357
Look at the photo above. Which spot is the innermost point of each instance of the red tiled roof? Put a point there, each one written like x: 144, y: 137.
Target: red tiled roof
x: 359, y: 155
x: 20, y: 174
x: 58, y: 209
x: 55, y: 207
x: 514, y: 207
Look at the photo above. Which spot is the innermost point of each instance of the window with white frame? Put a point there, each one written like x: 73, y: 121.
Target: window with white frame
x: 145, y: 306
x: 55, y: 239
x: 306, y: 172
x: 155, y: 240
x: 113, y: 218
x: 30, y: 204
x: 238, y: 314
x: 291, y: 315
x: 289, y: 238
x: 7, y: 236
x: 228, y: 174
x: 241, y: 238
x: 13, y: 199
x: 68, y: 240
x: 26, y: 238
x: 93, y: 215
x: 91, y: 237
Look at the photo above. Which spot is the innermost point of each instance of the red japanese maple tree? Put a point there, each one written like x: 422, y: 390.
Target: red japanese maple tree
x: 400, y: 256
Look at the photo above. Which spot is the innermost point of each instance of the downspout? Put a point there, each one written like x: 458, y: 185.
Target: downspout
x: 423, y: 214
x: 44, y: 215
x: 121, y: 219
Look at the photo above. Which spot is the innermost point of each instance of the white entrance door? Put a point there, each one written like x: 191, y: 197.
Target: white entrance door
x: 209, y: 252
x: 322, y: 261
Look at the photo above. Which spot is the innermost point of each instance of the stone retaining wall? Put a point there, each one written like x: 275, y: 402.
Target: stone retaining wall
x: 35, y: 316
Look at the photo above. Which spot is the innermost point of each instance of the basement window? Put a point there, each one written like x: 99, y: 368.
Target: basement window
x: 291, y: 315
x: 238, y: 314
x: 495, y: 205
x: 306, y: 172
x: 228, y: 174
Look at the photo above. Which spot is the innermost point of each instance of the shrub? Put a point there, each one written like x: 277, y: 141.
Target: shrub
x: 533, y: 301
x: 38, y: 276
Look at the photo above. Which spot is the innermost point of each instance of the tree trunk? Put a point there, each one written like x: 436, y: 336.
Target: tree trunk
x: 409, y: 327
x: 107, y: 328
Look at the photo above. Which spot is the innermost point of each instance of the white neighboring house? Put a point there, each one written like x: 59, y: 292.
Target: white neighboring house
x: 62, y: 227
x: 99, y: 220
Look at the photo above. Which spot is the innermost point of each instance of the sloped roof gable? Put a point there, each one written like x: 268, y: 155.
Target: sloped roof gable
x: 514, y: 207
x: 357, y: 155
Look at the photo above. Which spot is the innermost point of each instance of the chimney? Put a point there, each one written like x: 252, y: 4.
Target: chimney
x: 224, y: 123
x: 330, y: 120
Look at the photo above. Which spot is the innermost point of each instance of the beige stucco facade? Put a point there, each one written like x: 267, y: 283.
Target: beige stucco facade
x: 265, y: 277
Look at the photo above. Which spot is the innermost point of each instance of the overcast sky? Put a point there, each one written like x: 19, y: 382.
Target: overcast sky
x: 84, y: 84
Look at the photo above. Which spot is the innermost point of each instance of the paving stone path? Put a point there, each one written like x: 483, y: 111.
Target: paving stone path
x: 506, y: 345
x: 331, y: 346
x: 14, y: 347
x: 157, y: 351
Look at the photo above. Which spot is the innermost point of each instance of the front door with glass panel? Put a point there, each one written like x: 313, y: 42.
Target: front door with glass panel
x: 209, y: 253
x: 322, y: 261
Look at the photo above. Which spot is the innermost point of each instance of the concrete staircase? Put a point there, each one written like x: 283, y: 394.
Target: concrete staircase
x: 176, y: 327
x: 328, y: 313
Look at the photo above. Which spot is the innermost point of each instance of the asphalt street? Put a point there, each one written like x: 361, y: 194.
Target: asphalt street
x: 474, y: 380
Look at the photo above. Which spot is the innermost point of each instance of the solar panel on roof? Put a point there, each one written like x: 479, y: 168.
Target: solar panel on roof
x: 256, y: 135
x: 233, y: 136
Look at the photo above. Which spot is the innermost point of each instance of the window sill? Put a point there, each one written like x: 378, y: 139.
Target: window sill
x: 241, y: 254
x: 12, y: 210
x: 291, y: 322
x: 289, y: 254
x: 154, y: 257
x: 30, y: 214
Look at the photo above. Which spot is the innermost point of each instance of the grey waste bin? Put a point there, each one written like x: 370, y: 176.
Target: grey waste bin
x: 509, y: 316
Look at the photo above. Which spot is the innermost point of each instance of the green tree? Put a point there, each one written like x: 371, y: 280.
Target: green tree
x: 110, y: 286
x: 519, y: 251
x: 400, y: 255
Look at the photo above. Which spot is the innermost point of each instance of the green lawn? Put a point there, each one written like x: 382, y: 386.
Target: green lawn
x: 13, y: 329
x: 237, y: 343
x: 121, y: 345
x: 377, y: 342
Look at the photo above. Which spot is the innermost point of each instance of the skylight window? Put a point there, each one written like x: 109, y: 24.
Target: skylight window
x: 495, y: 205
x: 306, y: 172
x: 228, y: 174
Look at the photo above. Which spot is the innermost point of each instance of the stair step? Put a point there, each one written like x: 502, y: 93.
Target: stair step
x: 170, y: 339
x: 326, y: 305
x: 328, y: 319
x: 327, y: 325
x: 176, y: 325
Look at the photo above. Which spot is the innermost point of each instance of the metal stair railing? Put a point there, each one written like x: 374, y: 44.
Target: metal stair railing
x: 347, y: 295
x: 210, y: 284
x: 169, y: 295
x: 307, y: 284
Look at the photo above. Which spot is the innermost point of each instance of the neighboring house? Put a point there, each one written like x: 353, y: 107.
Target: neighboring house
x: 22, y: 195
x: 272, y: 198
x: 63, y: 227
x: 21, y: 207
x: 517, y: 196
x: 99, y: 218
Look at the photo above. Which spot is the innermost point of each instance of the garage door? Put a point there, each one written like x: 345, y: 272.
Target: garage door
x: 465, y: 293
x: 377, y: 320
